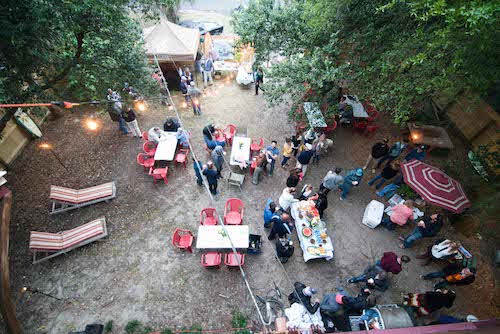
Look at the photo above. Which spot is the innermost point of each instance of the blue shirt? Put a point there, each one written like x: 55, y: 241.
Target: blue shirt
x: 273, y: 151
x: 414, y: 154
x: 267, y: 213
x: 211, y: 175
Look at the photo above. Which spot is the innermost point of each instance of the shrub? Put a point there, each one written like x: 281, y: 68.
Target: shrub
x: 133, y: 327
x: 109, y: 326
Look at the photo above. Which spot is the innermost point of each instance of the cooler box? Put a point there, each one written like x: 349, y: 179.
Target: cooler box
x: 373, y: 214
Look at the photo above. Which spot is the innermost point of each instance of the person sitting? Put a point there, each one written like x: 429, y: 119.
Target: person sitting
x: 440, y: 250
x: 284, y: 249
x: 155, y: 134
x: 400, y: 215
x: 374, y: 277
x: 321, y: 203
x: 287, y: 198
x: 170, y: 125
x: 346, y: 115
x: 182, y: 137
x: 389, y: 171
x: 391, y: 263
x: 281, y: 226
x: 259, y: 167
x: 417, y: 153
x: 269, y: 212
x: 208, y: 133
x: 454, y: 273
x: 302, y: 294
x: 188, y: 75
x: 426, y: 228
x: 431, y: 301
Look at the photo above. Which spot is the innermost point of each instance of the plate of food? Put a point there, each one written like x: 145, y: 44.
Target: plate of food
x: 313, y: 250
x: 307, y: 232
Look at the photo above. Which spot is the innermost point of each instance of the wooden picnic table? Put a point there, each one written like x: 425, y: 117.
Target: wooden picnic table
x: 212, y: 237
x: 166, y: 147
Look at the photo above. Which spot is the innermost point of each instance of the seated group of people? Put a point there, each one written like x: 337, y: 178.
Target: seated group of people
x: 155, y: 134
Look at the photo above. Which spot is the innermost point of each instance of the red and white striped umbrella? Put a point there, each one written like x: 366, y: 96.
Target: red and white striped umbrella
x: 435, y: 186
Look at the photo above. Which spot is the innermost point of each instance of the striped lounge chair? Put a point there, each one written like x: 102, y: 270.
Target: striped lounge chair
x: 55, y: 244
x: 65, y: 199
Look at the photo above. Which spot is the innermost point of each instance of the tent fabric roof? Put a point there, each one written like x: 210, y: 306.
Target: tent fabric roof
x: 171, y: 42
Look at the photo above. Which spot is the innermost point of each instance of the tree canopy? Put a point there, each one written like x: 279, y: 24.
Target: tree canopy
x: 400, y: 53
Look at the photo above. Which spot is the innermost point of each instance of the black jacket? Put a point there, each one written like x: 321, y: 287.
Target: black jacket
x: 292, y: 181
x: 455, y: 268
x: 298, y: 296
x: 388, y: 172
x: 434, y: 300
x: 431, y: 229
x: 129, y: 115
x: 184, y: 88
x: 208, y: 130
x: 284, y: 251
x: 211, y: 175
x: 379, y: 150
x: 305, y: 157
x: 371, y: 272
x: 172, y: 127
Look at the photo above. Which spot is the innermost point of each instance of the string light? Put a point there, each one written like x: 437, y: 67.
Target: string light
x: 45, y: 146
x: 140, y: 105
x: 92, y: 125
x: 184, y: 104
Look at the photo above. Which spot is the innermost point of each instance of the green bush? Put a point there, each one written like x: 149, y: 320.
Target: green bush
x: 147, y: 330
x: 133, y: 327
x: 166, y: 331
x: 239, y: 320
x: 109, y: 326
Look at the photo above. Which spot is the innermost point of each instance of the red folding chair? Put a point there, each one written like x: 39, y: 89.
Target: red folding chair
x: 159, y: 173
x: 210, y: 217
x: 368, y: 106
x: 147, y: 162
x: 231, y: 260
x: 181, y: 157
x: 230, y: 134
x: 301, y: 126
x: 374, y: 115
x: 256, y: 146
x: 371, y: 129
x: 219, y: 135
x: 183, y: 239
x: 235, y: 214
x: 329, y: 129
x: 145, y: 136
x: 148, y: 148
x: 359, y: 126
x: 211, y: 259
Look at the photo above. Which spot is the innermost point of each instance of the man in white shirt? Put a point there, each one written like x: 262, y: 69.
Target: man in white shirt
x: 287, y: 198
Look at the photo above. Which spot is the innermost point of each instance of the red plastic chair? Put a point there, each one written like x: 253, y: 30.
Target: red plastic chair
x: 229, y: 135
x: 235, y: 214
x: 371, y: 129
x: 230, y: 260
x: 210, y: 217
x: 159, y: 173
x: 181, y: 157
x: 256, y: 147
x: 183, y: 239
x: 211, y: 259
x: 359, y: 126
x: 146, y: 147
x: 253, y: 166
x: 329, y: 129
x: 145, y: 162
x: 145, y: 136
x: 301, y: 126
x: 369, y: 107
x: 374, y: 115
x: 219, y: 135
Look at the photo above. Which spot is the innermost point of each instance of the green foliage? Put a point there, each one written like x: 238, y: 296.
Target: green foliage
x: 167, y: 331
x: 133, y: 327
x: 401, y: 53
x: 239, y: 320
x: 147, y: 330
x: 407, y: 192
x: 109, y: 326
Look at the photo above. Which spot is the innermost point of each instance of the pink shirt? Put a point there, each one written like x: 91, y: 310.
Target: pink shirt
x: 400, y: 214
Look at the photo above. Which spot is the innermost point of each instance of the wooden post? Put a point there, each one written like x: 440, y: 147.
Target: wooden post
x: 7, y: 307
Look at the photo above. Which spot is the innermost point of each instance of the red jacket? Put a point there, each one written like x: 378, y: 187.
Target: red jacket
x: 389, y: 263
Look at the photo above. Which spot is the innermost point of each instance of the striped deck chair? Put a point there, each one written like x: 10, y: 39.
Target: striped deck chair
x: 55, y: 244
x: 65, y: 199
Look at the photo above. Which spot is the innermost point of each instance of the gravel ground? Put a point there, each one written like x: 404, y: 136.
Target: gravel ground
x: 136, y: 273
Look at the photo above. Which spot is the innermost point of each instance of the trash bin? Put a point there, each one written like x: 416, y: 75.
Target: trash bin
x: 255, y: 244
x: 390, y: 316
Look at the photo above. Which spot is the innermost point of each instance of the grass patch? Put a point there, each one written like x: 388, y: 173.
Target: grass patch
x: 133, y: 327
x: 109, y: 326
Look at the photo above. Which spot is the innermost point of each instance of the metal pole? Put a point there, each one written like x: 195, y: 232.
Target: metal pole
x: 55, y: 155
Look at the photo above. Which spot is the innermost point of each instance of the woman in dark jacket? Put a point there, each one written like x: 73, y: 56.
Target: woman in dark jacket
x: 430, y: 301
x: 293, y: 179
x: 302, y: 295
x: 387, y: 173
x: 379, y: 150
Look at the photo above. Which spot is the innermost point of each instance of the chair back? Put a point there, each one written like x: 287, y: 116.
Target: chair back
x: 176, y: 238
x: 260, y: 142
x: 146, y: 147
x: 145, y: 136
x: 234, y: 204
x: 209, y: 213
x: 140, y: 159
x: 232, y: 129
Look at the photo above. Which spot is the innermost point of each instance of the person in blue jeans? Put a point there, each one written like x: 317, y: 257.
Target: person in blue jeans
x: 391, y: 188
x: 352, y: 179
x: 272, y: 153
x: 387, y: 173
x: 197, y: 170
x: 428, y: 227
x: 394, y: 152
x: 269, y: 212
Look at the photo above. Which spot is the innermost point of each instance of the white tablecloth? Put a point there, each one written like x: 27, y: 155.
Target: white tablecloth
x: 305, y: 242
x: 314, y: 115
x: 211, y: 237
x: 240, y: 151
x: 358, y: 110
x: 166, y: 147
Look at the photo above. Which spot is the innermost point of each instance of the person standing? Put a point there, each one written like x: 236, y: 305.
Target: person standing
x: 391, y: 263
x: 197, y: 170
x: 130, y: 119
x: 271, y: 155
x: 394, y: 152
x: 218, y: 158
x: 426, y: 228
x: 295, y: 144
x: 287, y: 198
x: 304, y: 158
x: 287, y: 152
x: 194, y: 94
x: 389, y: 171
x: 331, y: 181
x: 379, y: 150
x: 208, y: 67
x: 293, y: 179
x: 115, y: 110
x: 259, y: 162
x: 211, y: 176
x: 453, y: 274
x: 352, y: 179
x: 259, y: 79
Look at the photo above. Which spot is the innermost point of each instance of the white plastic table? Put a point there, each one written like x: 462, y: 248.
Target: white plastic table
x: 314, y: 115
x: 166, y: 147
x: 305, y: 242
x: 211, y: 237
x: 358, y: 110
x: 240, y: 151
